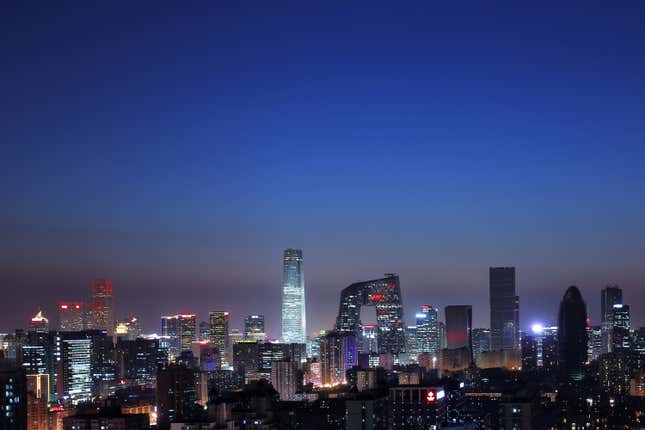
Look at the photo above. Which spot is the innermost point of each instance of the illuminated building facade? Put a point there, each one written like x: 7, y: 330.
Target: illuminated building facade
x: 572, y: 334
x: 481, y: 343
x: 254, y: 328
x: 71, y: 316
x: 368, y: 340
x: 411, y: 340
x: 38, y: 401
x: 385, y: 295
x: 620, y: 322
x: 39, y: 323
x: 459, y: 322
x: 504, y: 309
x: 294, y: 316
x: 176, y: 394
x: 417, y: 407
x: 128, y: 328
x: 75, y: 367
x: 103, y: 306
x: 170, y: 330
x: 138, y: 360
x: 427, y: 319
x: 219, y: 322
x: 187, y: 331
x: 338, y: 354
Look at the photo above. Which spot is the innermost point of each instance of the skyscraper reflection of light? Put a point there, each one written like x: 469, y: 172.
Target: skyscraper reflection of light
x: 294, y: 320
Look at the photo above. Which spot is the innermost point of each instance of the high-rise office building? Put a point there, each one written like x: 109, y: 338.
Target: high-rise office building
x: 411, y: 340
x: 187, y: 331
x: 594, y: 345
x: 294, y: 317
x: 219, y: 321
x: 75, y: 367
x: 481, y: 343
x: 609, y: 296
x: 204, y: 330
x: 138, y: 360
x: 504, y: 309
x: 171, y: 330
x: 254, y: 328
x: 39, y: 323
x: 367, y: 342
x: 103, y: 306
x: 38, y: 401
x: 427, y: 319
x: 338, y: 354
x: 619, y: 319
x: 572, y: 334
x: 71, y: 316
x: 459, y: 322
x: 385, y: 295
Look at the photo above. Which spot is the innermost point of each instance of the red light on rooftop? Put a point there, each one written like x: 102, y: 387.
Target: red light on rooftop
x: 78, y: 306
x: 425, y: 307
x: 225, y: 314
x: 63, y: 306
x: 391, y: 286
x: 377, y: 297
x: 368, y: 325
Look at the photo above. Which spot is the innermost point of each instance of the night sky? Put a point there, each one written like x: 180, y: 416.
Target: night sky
x: 178, y: 149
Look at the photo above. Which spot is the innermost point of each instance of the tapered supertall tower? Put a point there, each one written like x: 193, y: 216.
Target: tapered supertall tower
x: 294, y: 317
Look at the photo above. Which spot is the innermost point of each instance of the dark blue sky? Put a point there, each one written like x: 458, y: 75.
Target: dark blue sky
x: 177, y: 149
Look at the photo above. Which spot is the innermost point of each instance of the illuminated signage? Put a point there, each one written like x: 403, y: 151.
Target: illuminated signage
x: 377, y: 297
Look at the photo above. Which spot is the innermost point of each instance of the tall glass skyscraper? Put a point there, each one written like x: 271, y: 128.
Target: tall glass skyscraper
x: 504, y: 309
x: 103, y: 306
x: 428, y: 330
x: 572, y: 334
x: 294, y: 319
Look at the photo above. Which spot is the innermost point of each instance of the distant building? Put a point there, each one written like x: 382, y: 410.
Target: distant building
x: 385, y: 295
x: 620, y: 325
x: 504, y: 309
x: 481, y: 343
x: 75, y: 367
x: 128, y: 328
x: 427, y: 319
x: 572, y: 335
x: 338, y: 354
x: 71, y: 316
x: 138, y: 360
x: 103, y: 306
x: 453, y: 360
x: 459, y: 322
x: 254, y: 328
x: 368, y: 340
x: 609, y: 296
x: 204, y: 330
x: 187, y: 331
x: 39, y: 323
x: 294, y: 316
x: 219, y: 322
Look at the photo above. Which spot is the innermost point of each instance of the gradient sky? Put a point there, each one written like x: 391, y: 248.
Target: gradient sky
x: 177, y: 149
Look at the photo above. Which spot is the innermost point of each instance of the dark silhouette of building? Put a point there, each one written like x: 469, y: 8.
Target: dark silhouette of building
x: 572, y: 334
x: 609, y: 296
x: 459, y: 323
x: 13, y: 396
x: 504, y: 309
x: 176, y: 394
x: 106, y: 418
x: 385, y: 295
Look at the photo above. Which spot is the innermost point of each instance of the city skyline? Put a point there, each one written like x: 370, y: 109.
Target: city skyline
x: 424, y: 141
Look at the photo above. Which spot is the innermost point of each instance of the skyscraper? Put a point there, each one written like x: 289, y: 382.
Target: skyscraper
x: 75, y: 371
x: 170, y: 329
x: 385, y: 295
x: 38, y: 401
x: 609, y: 296
x: 102, y: 306
x: 338, y: 354
x: 428, y: 330
x: 294, y: 318
x: 254, y: 327
x: 71, y: 316
x: 219, y: 321
x: 39, y: 323
x: 459, y: 323
x: 572, y: 334
x: 187, y: 331
x: 504, y: 309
